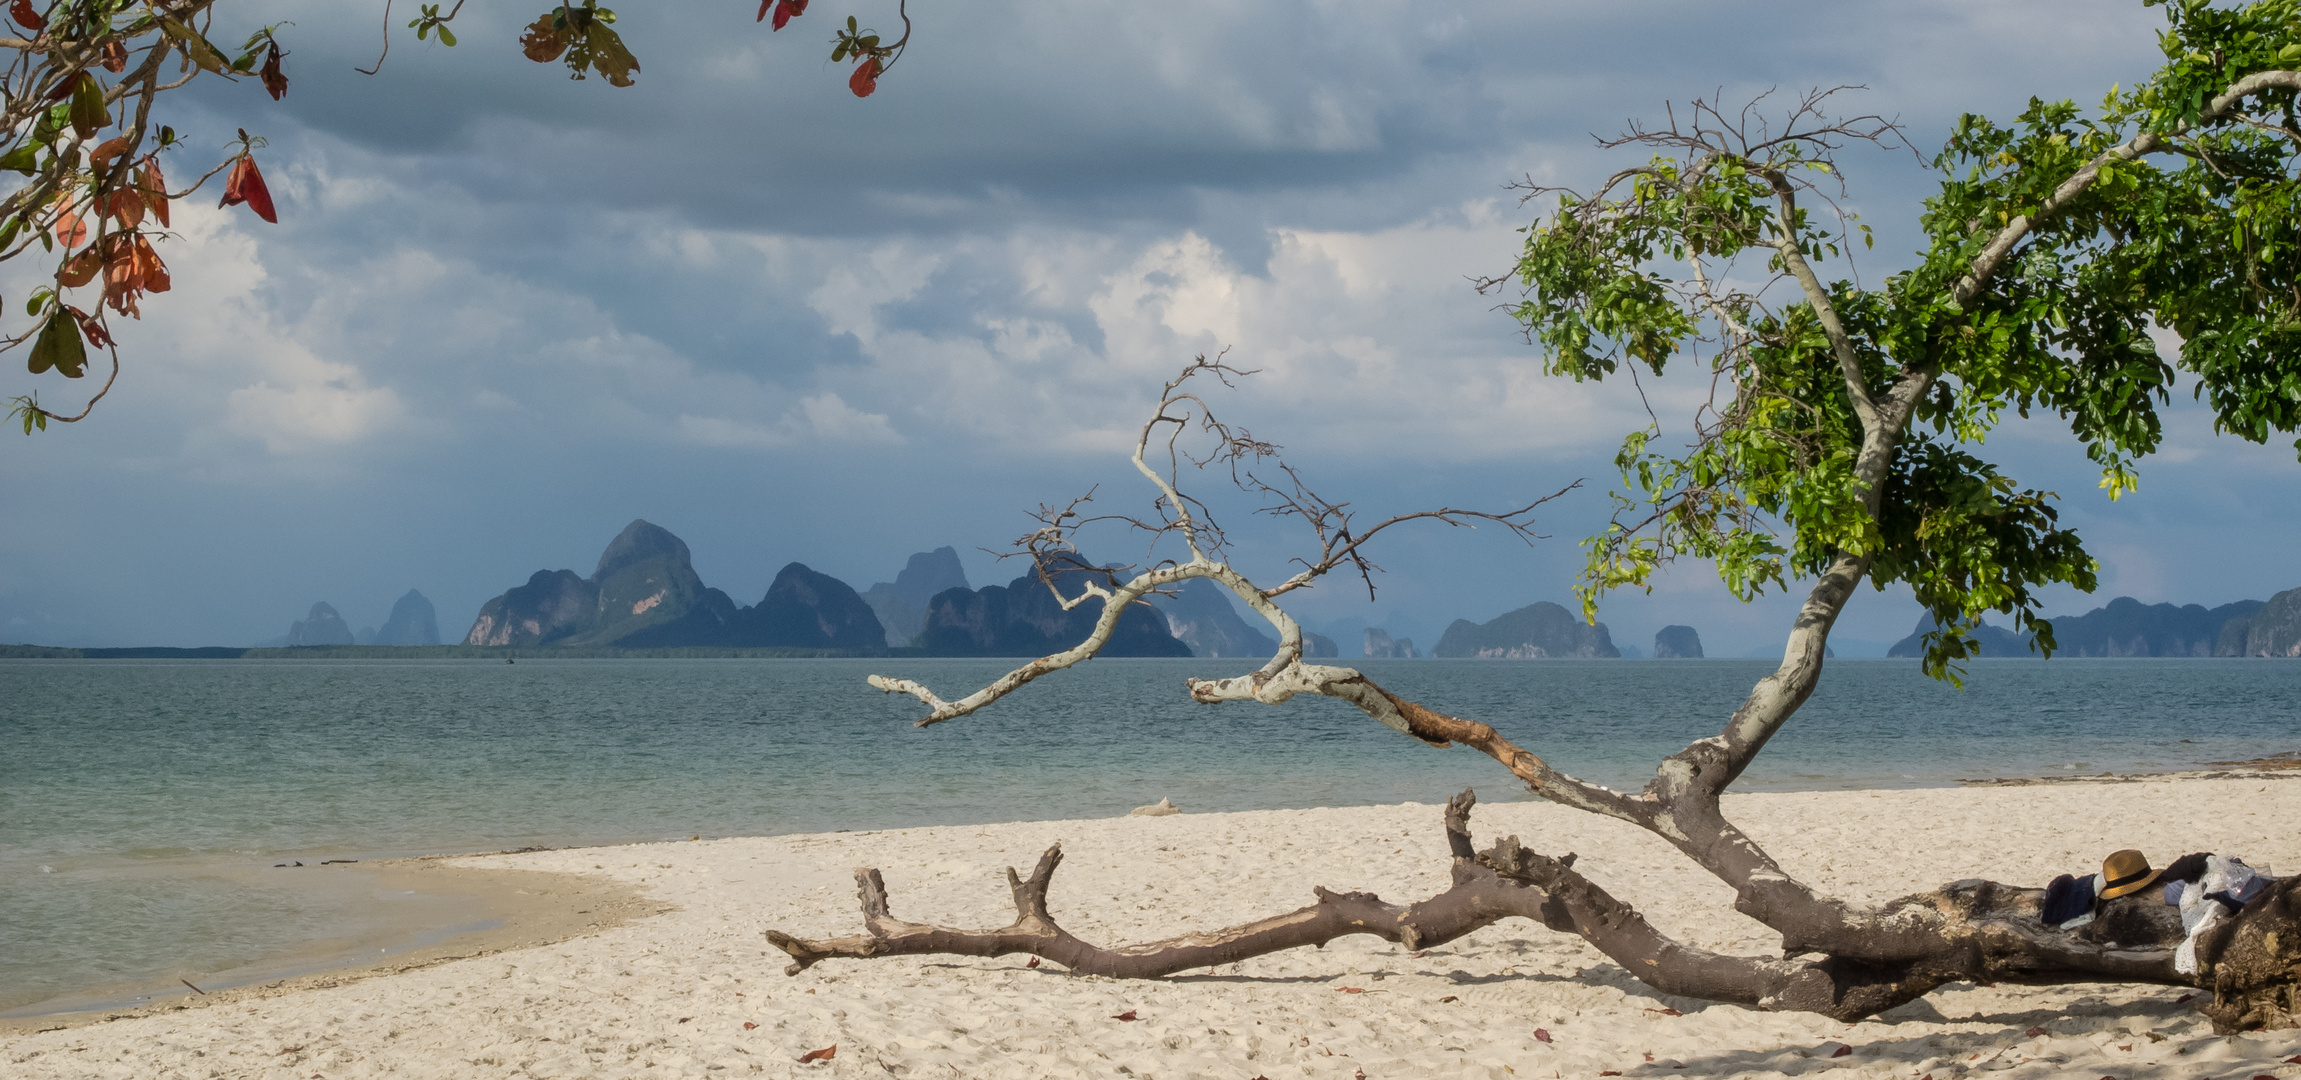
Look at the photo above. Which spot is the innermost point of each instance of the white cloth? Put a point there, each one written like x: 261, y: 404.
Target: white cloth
x: 2225, y: 874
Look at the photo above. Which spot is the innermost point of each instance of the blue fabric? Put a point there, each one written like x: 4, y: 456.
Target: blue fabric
x: 2066, y: 898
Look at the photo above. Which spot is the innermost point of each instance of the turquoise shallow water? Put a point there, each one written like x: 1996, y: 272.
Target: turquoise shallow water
x: 143, y: 803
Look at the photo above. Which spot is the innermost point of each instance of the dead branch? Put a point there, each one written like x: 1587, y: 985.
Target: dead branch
x: 1998, y: 938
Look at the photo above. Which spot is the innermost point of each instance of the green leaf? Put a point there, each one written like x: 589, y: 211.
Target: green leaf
x: 89, y: 113
x: 195, y: 46
x: 447, y: 37
x: 60, y: 347
x: 23, y: 159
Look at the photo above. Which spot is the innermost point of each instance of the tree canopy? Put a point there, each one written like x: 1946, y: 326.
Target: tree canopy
x: 1842, y: 439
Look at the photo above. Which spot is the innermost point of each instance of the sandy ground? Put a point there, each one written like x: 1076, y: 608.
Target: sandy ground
x: 697, y: 992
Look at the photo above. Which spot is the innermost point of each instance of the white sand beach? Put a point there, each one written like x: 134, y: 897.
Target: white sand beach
x: 696, y: 991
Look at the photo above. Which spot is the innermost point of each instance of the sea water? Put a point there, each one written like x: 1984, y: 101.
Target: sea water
x: 144, y: 804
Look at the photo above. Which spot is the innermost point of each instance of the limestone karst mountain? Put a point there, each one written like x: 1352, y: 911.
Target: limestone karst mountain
x: 1677, y: 643
x: 1541, y: 630
x: 1021, y: 618
x: 902, y: 604
x: 2127, y: 627
x: 321, y: 627
x: 807, y: 610
x: 1200, y: 615
x: 645, y: 594
x: 1381, y: 646
x: 2275, y: 629
x: 413, y: 622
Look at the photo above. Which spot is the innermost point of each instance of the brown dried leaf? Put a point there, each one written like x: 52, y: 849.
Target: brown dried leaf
x: 1841, y: 1051
x: 1034, y: 962
x: 1451, y: 997
x: 2033, y: 1033
x: 1128, y: 1016
x: 1349, y: 989
x: 1542, y: 1035
x: 542, y: 43
x: 275, y: 82
x: 825, y: 1054
x: 748, y: 1025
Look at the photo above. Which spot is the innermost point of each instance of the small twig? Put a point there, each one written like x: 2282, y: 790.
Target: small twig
x: 195, y: 989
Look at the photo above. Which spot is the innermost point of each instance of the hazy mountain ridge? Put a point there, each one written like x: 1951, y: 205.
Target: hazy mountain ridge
x: 2127, y: 627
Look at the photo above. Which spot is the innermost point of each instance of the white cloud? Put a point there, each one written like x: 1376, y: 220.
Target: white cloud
x: 821, y: 420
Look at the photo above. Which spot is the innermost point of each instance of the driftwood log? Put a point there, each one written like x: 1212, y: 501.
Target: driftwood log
x: 1966, y: 931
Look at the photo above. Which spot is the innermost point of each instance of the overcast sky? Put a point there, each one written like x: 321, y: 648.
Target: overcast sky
x: 505, y: 313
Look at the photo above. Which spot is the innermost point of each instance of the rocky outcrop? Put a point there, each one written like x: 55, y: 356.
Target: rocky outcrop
x: 413, y: 622
x: 551, y: 606
x: 1381, y: 646
x: 1021, y: 618
x: 807, y: 610
x: 643, y: 594
x: 901, y: 605
x: 1677, y: 643
x: 321, y: 627
x: 1538, y: 631
x: 1200, y: 615
x: 1319, y: 645
x: 2128, y: 627
x: 2275, y: 630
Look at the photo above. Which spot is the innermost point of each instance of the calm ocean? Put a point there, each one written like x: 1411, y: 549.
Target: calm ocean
x: 143, y: 803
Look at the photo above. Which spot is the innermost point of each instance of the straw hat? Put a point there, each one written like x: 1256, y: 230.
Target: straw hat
x: 2125, y: 872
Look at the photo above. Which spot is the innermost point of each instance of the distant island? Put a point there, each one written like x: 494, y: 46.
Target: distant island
x: 1538, y: 631
x: 2128, y: 627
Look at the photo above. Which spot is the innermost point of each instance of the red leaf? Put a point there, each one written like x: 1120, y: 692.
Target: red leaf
x: 2033, y: 1032
x: 866, y: 77
x: 25, y: 15
x: 1128, y: 1016
x: 1542, y: 1035
x: 748, y: 1025
x: 2183, y: 998
x: 245, y: 184
x: 1349, y: 989
x: 1841, y: 1051
x: 71, y: 231
x: 2294, y: 1060
x: 155, y: 190
x: 825, y: 1054
x: 92, y: 330
x: 763, y: 6
x: 115, y: 56
x: 1034, y: 962
x: 1666, y: 1012
x: 785, y: 11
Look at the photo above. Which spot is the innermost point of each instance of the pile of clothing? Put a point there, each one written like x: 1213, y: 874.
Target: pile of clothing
x: 2206, y: 887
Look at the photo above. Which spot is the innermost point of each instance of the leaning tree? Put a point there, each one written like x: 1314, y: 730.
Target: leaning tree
x: 1839, y: 447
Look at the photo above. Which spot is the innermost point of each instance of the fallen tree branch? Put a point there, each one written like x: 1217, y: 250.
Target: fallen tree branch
x: 1990, y: 933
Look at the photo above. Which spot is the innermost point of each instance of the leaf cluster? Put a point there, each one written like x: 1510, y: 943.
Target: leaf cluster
x: 1846, y: 420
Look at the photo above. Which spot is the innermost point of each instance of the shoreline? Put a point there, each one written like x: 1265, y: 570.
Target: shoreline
x: 504, y: 908
x: 695, y: 991
x: 497, y: 910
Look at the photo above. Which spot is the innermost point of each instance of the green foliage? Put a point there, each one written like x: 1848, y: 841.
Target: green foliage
x: 2051, y: 257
